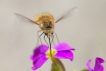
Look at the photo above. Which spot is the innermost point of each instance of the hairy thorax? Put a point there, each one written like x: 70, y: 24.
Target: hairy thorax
x: 46, y: 22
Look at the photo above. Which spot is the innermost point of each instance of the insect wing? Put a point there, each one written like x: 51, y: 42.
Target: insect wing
x: 73, y: 11
x: 24, y: 18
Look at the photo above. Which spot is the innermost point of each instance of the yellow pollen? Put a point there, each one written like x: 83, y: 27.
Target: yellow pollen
x: 48, y: 53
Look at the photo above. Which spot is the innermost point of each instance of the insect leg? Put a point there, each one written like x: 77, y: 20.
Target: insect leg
x: 57, y: 39
x: 38, y: 37
x: 45, y: 40
x: 52, y: 39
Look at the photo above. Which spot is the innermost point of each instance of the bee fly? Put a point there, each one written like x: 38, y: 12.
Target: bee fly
x: 46, y: 23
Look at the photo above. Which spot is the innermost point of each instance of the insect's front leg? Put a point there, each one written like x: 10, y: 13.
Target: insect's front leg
x: 52, y: 36
x: 38, y: 37
x: 45, y: 39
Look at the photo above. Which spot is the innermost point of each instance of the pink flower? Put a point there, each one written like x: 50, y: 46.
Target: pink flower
x: 98, y: 66
x: 42, y: 53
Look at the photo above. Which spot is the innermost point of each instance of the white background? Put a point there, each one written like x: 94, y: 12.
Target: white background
x: 86, y: 32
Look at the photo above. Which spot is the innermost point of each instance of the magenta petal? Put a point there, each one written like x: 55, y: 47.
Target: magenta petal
x: 98, y: 66
x: 88, y: 65
x: 39, y: 51
x: 64, y: 54
x: 39, y: 62
x: 100, y: 60
x: 63, y: 46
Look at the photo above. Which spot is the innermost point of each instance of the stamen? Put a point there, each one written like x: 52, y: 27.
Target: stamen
x: 48, y: 53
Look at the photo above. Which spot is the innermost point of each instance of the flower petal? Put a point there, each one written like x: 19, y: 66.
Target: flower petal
x: 64, y: 54
x: 39, y: 62
x: 63, y: 46
x: 88, y: 65
x: 98, y: 66
x: 39, y: 51
x: 100, y: 60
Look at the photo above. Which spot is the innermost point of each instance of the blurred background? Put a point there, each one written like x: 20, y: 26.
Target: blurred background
x: 86, y: 32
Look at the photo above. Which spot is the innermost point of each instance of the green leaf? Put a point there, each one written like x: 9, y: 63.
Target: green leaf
x: 85, y: 70
x: 74, y: 70
x: 57, y: 65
